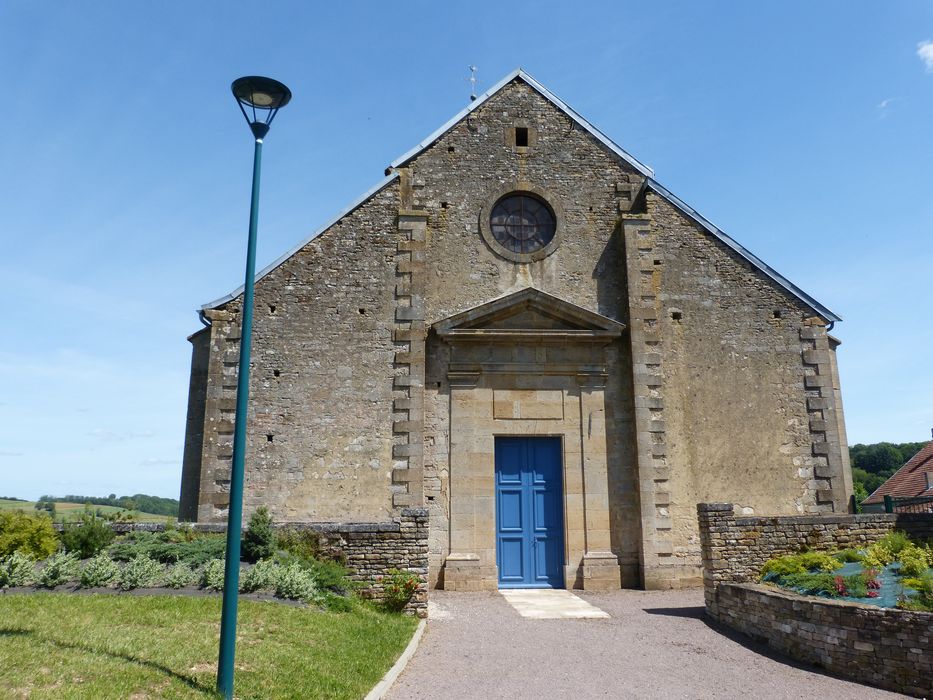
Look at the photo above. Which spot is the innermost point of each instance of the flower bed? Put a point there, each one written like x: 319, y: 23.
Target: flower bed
x: 892, y: 572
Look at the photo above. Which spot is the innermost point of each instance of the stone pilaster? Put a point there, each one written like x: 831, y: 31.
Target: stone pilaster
x: 647, y: 383
x: 831, y: 492
x: 409, y: 335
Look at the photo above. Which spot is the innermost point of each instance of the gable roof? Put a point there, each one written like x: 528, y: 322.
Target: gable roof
x: 909, y: 480
x: 614, y: 148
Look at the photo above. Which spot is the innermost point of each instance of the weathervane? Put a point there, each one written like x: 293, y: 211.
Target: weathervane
x: 472, y: 80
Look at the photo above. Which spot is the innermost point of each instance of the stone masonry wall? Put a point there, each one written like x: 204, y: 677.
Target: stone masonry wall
x: 884, y: 647
x: 887, y: 648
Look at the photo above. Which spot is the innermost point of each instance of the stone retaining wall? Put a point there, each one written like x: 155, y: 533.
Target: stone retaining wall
x: 888, y: 648
x: 370, y: 549
x: 882, y: 647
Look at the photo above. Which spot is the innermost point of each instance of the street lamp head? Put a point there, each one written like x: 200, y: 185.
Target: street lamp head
x: 263, y: 97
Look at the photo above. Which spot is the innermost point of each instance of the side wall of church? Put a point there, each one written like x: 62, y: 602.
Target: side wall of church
x: 735, y: 403
x: 320, y: 424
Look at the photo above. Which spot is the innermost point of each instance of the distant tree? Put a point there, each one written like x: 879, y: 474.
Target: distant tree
x: 860, y: 495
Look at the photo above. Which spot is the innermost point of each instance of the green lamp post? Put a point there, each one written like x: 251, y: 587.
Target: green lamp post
x: 260, y: 100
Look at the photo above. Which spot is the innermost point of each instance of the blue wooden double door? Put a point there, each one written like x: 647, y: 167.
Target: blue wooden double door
x: 529, y: 512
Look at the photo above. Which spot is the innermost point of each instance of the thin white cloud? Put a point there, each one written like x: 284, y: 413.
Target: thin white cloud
x: 10, y: 454
x: 884, y: 103
x: 152, y: 462
x: 883, y: 106
x: 925, y: 52
x: 114, y: 436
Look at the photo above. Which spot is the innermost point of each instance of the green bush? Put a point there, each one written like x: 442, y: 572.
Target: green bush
x: 169, y: 547
x: 301, y: 543
x: 16, y: 570
x: 59, y: 568
x: 87, y: 537
x: 297, y: 583
x: 180, y: 575
x: 877, y: 556
x: 259, y: 538
x: 848, y: 555
x: 914, y: 560
x: 799, y: 564
x: 141, y: 572
x: 895, y: 541
x: 856, y: 586
x: 99, y: 571
x: 31, y: 534
x: 811, y: 583
x: 398, y: 588
x: 212, y: 576
x: 260, y: 577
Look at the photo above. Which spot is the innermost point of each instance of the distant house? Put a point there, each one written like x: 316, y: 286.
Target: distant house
x: 913, y: 479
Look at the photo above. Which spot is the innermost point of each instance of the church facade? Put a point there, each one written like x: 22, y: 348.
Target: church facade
x: 522, y: 332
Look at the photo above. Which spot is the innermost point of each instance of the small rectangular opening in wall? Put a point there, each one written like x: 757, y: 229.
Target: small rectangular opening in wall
x: 521, y: 136
x: 777, y: 313
x: 451, y: 149
x: 269, y: 437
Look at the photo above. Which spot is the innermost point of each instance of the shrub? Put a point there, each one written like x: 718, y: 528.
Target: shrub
x: 212, y: 576
x: 848, y: 555
x: 140, y: 572
x: 88, y: 537
x: 877, y: 556
x: 179, y: 576
x: 812, y: 583
x: 259, y: 538
x: 99, y: 571
x: 297, y: 583
x: 16, y: 570
x: 163, y: 547
x: 798, y: 564
x: 59, y: 568
x: 260, y: 577
x: 856, y: 586
x: 27, y: 533
x: 304, y: 544
x: 398, y: 588
x: 895, y: 541
x: 914, y: 560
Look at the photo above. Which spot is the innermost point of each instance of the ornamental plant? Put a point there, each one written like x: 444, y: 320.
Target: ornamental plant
x: 180, y: 575
x: 99, y: 571
x: 16, y: 570
x: 59, y: 568
x: 259, y: 538
x: 260, y: 577
x: 799, y: 564
x: 27, y: 533
x: 87, y: 537
x: 398, y: 588
x: 297, y: 583
x: 212, y: 575
x: 141, y: 572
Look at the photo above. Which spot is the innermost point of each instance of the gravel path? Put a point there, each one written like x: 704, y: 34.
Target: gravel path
x: 655, y: 645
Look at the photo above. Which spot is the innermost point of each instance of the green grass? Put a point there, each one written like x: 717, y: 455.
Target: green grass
x: 72, y: 511
x: 56, y: 645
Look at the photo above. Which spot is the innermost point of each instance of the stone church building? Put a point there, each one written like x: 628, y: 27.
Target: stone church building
x: 521, y: 332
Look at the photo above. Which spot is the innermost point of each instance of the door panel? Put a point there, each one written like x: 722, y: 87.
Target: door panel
x: 529, y: 512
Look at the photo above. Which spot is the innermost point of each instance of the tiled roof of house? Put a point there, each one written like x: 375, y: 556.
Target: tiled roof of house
x: 908, y: 481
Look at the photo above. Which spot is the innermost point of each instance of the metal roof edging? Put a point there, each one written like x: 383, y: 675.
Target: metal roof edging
x: 745, y: 253
x: 282, y: 258
x: 548, y: 95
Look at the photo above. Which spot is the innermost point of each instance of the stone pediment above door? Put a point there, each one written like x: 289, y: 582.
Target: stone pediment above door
x: 530, y: 315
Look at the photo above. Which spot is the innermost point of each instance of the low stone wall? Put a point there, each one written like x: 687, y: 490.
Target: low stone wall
x: 370, y: 549
x: 882, y: 647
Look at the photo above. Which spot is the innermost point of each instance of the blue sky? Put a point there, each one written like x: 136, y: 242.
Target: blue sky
x: 802, y: 129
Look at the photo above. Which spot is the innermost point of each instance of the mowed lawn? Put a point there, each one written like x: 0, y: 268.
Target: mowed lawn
x: 73, y: 511
x: 58, y: 645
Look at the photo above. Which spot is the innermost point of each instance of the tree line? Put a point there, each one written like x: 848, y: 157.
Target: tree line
x: 140, y: 501
x: 873, y: 464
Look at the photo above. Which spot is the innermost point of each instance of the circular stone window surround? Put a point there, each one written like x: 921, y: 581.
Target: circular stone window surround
x: 517, y: 188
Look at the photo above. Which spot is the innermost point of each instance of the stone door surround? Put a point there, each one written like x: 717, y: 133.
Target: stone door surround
x: 528, y: 364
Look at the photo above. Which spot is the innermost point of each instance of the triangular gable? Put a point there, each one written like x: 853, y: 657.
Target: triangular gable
x: 546, y: 94
x: 528, y: 313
